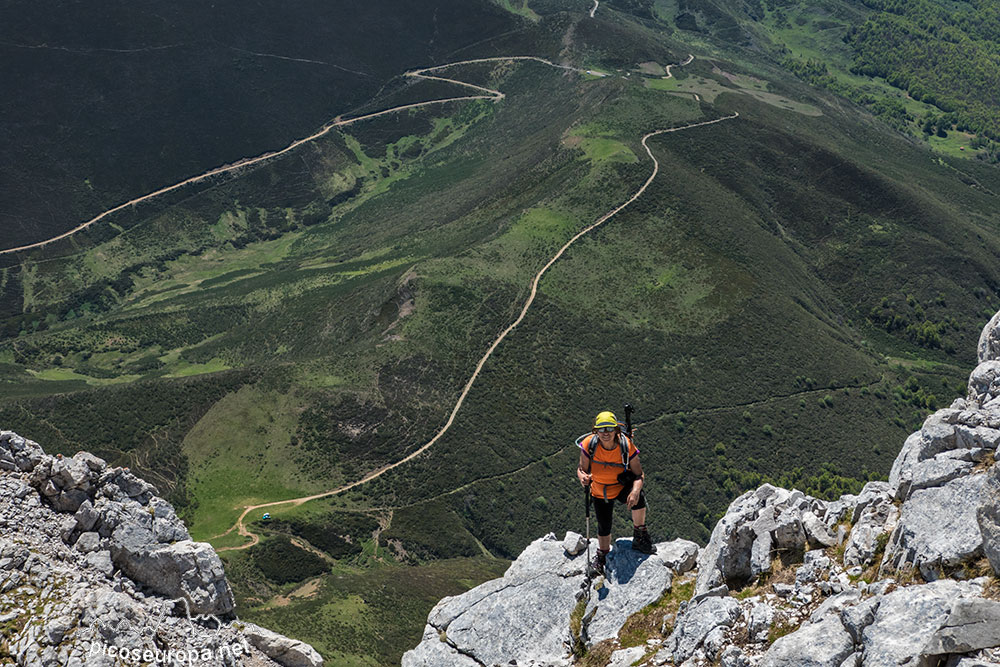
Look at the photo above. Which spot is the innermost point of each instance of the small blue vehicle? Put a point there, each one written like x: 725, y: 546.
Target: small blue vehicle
x: 267, y: 515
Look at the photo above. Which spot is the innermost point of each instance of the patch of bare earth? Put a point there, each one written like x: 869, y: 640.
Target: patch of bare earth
x: 652, y: 67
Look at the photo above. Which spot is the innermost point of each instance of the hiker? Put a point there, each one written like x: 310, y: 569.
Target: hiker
x: 603, y: 456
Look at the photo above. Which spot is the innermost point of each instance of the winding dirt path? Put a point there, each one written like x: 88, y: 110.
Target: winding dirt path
x: 593, y: 10
x: 487, y: 94
x: 254, y: 539
x: 686, y: 62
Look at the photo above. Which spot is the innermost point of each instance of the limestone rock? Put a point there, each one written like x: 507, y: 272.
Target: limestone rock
x: 972, y: 624
x: 695, y: 624
x: 988, y: 519
x: 989, y: 340
x: 734, y: 657
x: 741, y: 543
x: 626, y: 656
x: 938, y: 470
x: 189, y: 570
x: 836, y: 605
x: 574, y: 543
x: 938, y: 527
x: 435, y: 651
x: 758, y: 522
x: 679, y: 555
x: 17, y: 453
x: 957, y: 661
x: 281, y: 649
x: 905, y: 618
x: 726, y: 557
x: 822, y: 644
x: 858, y: 617
x: 876, y: 516
x: 761, y: 618
x: 631, y: 581
x: 984, y: 382
x: 816, y: 530
x: 499, y: 620
x: 88, y: 542
x: 61, y: 600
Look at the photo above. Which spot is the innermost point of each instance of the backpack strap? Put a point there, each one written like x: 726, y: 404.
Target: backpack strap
x: 591, y: 448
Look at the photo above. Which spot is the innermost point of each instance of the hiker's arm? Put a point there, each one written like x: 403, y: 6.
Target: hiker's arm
x: 636, y: 468
x: 581, y: 470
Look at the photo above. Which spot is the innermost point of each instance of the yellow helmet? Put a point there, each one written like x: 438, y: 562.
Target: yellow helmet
x: 606, y: 418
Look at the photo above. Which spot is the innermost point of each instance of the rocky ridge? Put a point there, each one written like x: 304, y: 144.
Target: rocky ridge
x: 903, y: 573
x: 96, y: 569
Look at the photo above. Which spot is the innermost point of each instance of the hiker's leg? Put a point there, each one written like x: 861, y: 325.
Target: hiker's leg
x: 639, y: 511
x: 604, y: 510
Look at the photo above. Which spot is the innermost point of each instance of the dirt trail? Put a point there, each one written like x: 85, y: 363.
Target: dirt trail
x: 482, y: 362
x: 593, y: 10
x: 488, y: 94
x: 686, y: 62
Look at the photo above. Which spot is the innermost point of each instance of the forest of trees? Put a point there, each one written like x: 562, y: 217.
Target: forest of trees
x: 949, y: 58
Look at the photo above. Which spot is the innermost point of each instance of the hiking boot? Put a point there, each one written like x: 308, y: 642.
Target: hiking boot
x: 641, y: 541
x: 597, y: 564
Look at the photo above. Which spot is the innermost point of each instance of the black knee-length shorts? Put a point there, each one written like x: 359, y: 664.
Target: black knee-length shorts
x: 605, y: 508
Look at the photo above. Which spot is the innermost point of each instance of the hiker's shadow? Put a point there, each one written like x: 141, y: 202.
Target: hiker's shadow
x: 622, y: 564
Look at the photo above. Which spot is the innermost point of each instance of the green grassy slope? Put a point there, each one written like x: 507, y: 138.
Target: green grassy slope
x: 793, y: 293
x: 96, y: 114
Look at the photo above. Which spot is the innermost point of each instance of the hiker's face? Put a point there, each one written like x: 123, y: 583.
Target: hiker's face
x: 605, y: 435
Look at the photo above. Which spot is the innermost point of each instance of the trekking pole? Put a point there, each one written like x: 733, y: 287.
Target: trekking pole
x: 628, y: 419
x: 586, y: 503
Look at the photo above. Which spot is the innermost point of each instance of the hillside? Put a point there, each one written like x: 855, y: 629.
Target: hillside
x: 792, y: 294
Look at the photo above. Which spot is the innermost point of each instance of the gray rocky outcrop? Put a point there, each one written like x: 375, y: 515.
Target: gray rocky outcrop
x: 875, y: 515
x: 905, y: 618
x: 697, y: 623
x: 984, y: 383
x: 823, y: 643
x: 626, y: 656
x: 500, y: 618
x: 122, y: 515
x: 938, y: 529
x: 972, y: 624
x: 989, y: 340
x: 757, y: 524
x: 93, y: 563
x: 281, y: 649
x: 632, y: 581
x: 186, y: 569
x: 988, y: 519
x: 499, y: 621
x: 678, y: 555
